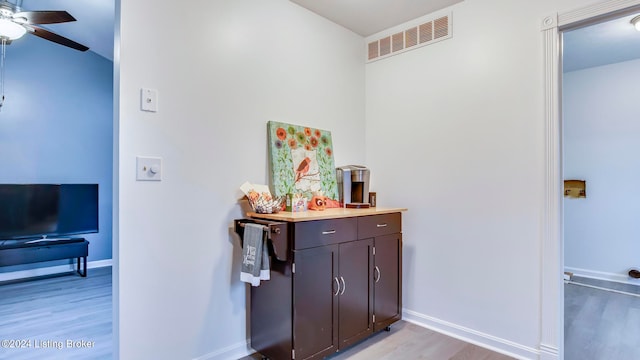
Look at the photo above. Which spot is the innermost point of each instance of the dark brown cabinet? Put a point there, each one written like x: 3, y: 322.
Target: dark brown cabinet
x: 387, y: 285
x: 385, y: 230
x: 339, y: 282
x: 355, y: 300
x: 332, y: 302
x: 314, y: 311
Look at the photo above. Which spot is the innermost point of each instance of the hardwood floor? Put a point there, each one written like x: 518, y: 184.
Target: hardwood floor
x: 410, y: 341
x: 45, y: 313
x: 601, y: 325
x: 63, y: 317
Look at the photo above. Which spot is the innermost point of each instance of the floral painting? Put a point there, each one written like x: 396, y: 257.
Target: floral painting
x: 301, y: 160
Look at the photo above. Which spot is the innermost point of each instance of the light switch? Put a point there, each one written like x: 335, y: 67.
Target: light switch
x: 149, y: 99
x: 148, y: 168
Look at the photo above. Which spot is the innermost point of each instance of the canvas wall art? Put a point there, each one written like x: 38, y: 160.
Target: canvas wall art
x: 301, y: 160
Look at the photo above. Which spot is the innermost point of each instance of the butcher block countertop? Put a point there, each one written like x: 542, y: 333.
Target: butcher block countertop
x: 323, y: 214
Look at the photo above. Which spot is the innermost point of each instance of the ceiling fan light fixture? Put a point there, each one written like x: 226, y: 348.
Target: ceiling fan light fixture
x: 636, y: 22
x: 11, y: 30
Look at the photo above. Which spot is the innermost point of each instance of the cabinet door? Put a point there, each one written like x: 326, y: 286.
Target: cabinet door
x: 315, y: 293
x: 387, y: 289
x: 356, y: 292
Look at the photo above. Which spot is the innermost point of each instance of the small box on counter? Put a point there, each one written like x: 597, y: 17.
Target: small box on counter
x: 296, y: 203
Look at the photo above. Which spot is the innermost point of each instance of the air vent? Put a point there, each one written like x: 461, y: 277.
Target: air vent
x: 441, y: 27
x: 385, y: 46
x: 398, y: 41
x: 426, y: 32
x: 373, y: 50
x: 411, y: 37
x: 421, y: 34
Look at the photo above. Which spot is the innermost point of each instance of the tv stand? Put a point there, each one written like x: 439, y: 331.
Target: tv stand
x: 45, y: 239
x: 26, y: 251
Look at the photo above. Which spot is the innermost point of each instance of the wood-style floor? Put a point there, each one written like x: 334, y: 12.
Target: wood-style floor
x: 601, y: 325
x: 40, y: 316
x: 409, y: 341
x: 63, y: 317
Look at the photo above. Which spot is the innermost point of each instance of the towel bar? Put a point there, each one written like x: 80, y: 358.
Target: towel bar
x: 267, y: 228
x: 276, y: 234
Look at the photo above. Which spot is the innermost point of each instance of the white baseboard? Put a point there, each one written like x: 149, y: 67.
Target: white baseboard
x: 493, y: 343
x: 231, y: 352
x: 549, y: 352
x: 599, y: 275
x: 487, y: 341
x: 24, y: 274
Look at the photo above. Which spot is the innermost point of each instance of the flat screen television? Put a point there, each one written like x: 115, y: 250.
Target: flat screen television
x: 31, y: 211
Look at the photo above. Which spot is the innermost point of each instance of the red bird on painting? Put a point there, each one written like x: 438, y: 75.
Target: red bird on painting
x: 303, y: 168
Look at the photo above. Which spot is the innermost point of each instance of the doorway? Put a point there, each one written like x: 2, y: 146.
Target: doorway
x: 552, y: 294
x: 599, y: 137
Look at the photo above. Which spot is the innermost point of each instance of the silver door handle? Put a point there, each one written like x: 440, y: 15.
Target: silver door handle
x: 337, y: 283
x: 328, y: 232
x: 377, y: 269
x: 344, y: 285
x: 381, y: 225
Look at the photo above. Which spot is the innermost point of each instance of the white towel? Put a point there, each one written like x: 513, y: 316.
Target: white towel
x: 255, y: 255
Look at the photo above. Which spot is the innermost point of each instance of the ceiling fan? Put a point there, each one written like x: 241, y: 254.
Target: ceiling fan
x: 14, y: 23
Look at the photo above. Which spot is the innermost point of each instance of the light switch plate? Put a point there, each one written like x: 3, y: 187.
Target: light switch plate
x: 149, y: 99
x: 148, y: 168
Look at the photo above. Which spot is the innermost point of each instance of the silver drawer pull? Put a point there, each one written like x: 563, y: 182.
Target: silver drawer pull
x: 328, y: 232
x: 381, y: 225
x: 344, y: 285
x: 377, y: 270
x: 338, y: 289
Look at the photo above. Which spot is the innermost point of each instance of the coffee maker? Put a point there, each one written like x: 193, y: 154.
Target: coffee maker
x: 353, y: 186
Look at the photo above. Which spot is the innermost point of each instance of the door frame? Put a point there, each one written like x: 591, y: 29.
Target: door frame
x: 552, y: 261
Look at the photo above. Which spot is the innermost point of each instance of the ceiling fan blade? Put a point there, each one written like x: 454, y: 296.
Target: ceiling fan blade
x: 48, y: 35
x: 43, y: 17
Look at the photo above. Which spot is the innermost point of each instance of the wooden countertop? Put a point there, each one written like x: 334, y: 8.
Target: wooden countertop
x: 324, y: 214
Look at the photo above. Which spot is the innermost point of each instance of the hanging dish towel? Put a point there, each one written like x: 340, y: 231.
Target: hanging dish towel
x: 255, y: 255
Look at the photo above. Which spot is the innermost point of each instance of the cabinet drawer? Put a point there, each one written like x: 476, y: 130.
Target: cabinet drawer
x: 309, y: 234
x: 376, y: 225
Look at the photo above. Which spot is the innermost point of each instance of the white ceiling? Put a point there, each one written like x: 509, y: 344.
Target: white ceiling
x: 595, y: 45
x: 367, y: 17
x: 601, y: 44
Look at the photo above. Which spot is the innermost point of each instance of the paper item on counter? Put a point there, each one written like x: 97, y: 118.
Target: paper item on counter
x: 256, y: 192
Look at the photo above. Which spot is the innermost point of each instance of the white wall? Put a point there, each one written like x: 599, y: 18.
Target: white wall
x: 222, y: 70
x: 601, y: 145
x: 455, y: 132
x: 466, y: 159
